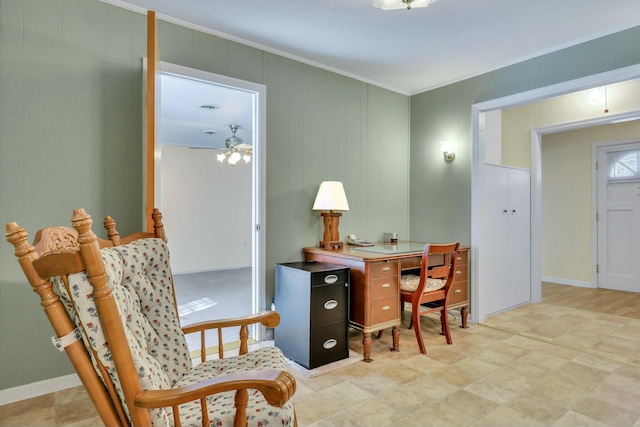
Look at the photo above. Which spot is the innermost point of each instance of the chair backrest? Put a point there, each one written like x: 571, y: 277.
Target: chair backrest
x: 66, y: 268
x: 445, y: 271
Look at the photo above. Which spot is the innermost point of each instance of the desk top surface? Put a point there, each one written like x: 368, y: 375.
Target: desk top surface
x: 379, y: 250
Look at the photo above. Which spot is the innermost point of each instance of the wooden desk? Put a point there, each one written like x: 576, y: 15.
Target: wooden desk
x: 375, y: 284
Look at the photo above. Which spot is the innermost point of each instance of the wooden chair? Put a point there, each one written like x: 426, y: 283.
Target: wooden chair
x: 429, y: 292
x: 112, y: 306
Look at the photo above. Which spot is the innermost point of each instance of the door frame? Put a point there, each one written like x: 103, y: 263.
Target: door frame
x: 258, y: 165
x: 477, y: 314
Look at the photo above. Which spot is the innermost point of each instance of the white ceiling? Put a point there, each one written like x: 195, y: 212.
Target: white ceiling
x: 407, y: 51
x: 184, y: 122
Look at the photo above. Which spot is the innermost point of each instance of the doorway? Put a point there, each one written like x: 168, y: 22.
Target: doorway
x: 618, y: 236
x: 216, y: 210
x: 478, y: 289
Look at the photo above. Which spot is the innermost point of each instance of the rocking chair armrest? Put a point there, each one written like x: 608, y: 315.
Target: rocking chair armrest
x: 277, y: 386
x: 268, y: 318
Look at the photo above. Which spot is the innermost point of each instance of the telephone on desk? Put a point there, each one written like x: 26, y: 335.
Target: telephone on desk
x: 353, y: 240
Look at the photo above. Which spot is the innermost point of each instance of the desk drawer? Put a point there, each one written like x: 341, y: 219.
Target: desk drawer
x: 410, y: 263
x: 385, y: 310
x: 462, y: 258
x: 385, y: 287
x: 460, y: 274
x: 384, y: 268
x: 458, y: 292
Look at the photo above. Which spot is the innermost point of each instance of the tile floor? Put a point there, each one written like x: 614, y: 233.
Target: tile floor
x: 573, y: 360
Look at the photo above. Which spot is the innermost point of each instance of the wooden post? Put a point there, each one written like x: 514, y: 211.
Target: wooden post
x: 152, y: 60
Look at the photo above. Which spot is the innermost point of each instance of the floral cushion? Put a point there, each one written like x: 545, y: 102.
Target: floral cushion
x: 140, y: 278
x: 410, y: 282
x: 221, y: 406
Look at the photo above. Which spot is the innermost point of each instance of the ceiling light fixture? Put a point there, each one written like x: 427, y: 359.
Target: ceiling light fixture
x: 209, y: 106
x: 401, y: 4
x: 236, y: 149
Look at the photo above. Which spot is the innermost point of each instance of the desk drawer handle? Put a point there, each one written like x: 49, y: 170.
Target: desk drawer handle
x: 330, y: 343
x: 331, y: 304
x: 459, y: 258
x: 385, y: 308
x: 457, y: 291
x: 385, y: 269
x: 458, y: 272
x: 332, y: 278
x: 386, y: 286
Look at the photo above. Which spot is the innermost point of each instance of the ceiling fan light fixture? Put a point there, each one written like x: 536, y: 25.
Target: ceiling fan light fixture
x: 236, y: 149
x: 233, y: 139
x: 401, y: 4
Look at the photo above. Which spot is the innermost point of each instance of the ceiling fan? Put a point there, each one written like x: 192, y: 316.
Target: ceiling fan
x: 235, y: 149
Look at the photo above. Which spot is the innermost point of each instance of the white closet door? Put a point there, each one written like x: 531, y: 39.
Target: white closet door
x: 504, y: 261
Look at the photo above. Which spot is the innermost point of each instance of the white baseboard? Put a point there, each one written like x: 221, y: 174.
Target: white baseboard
x: 568, y: 282
x: 27, y: 391
x: 207, y: 270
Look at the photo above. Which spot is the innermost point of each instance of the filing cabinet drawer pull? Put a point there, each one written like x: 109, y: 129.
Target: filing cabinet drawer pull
x: 331, y: 304
x: 385, y: 308
x: 332, y: 278
x: 330, y: 343
x: 386, y: 286
x: 457, y: 291
x: 459, y: 258
x: 385, y: 269
x: 458, y: 272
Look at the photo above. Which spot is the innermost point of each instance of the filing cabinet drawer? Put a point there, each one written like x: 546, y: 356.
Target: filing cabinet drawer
x: 458, y: 292
x: 329, y: 277
x: 385, y: 310
x: 329, y: 303
x: 329, y: 343
x: 384, y: 268
x: 385, y: 287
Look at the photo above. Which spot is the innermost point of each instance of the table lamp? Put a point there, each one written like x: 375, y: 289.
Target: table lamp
x: 331, y: 198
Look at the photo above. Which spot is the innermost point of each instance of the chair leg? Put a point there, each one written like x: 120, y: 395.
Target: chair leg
x: 415, y: 317
x: 444, y: 320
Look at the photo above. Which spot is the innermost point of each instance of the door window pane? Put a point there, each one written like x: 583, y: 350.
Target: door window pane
x: 623, y: 165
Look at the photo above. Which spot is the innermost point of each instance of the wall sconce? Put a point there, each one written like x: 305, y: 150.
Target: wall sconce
x: 447, y: 151
x: 331, y: 198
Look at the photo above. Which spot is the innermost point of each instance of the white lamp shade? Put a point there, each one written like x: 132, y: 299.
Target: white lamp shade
x: 399, y: 4
x: 331, y: 197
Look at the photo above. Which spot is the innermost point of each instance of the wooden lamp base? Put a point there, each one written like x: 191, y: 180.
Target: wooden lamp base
x: 331, y: 238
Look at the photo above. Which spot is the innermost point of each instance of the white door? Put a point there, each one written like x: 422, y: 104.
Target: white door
x: 618, y: 218
x: 504, y: 261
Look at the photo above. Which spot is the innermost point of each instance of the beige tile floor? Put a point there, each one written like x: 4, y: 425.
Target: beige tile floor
x: 573, y: 360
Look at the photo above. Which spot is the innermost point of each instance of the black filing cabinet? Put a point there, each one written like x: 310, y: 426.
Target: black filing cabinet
x: 313, y: 301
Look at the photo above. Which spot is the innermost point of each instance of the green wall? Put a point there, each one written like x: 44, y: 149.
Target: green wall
x: 71, y: 136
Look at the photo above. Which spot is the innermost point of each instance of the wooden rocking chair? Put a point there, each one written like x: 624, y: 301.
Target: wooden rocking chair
x: 112, y: 306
